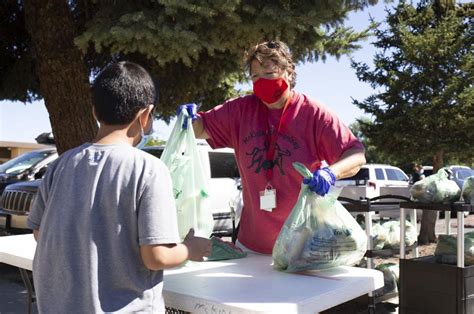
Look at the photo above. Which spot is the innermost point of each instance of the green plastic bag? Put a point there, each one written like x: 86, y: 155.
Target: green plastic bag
x: 437, y: 188
x: 222, y: 250
x: 446, y: 249
x: 393, y: 234
x: 319, y: 233
x: 190, y: 185
x: 391, y: 275
x: 468, y: 190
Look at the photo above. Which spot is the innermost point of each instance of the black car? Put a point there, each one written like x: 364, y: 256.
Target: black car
x: 26, y: 167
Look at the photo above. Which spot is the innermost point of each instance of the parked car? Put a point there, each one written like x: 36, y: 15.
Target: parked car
x: 26, y: 167
x: 427, y: 170
x: 374, y: 180
x: 459, y: 174
x: 219, y: 165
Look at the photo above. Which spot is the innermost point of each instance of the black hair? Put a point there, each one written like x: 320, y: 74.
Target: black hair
x: 120, y: 91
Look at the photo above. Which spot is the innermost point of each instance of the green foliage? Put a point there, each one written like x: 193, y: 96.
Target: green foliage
x: 155, y: 141
x: 17, y: 78
x: 423, y: 76
x: 193, y: 48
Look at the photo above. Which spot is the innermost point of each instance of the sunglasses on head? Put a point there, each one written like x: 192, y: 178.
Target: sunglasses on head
x: 272, y: 45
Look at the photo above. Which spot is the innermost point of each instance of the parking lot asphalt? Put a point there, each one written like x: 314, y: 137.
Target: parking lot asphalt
x: 13, y: 295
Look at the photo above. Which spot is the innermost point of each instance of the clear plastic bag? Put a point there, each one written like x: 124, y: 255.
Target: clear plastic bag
x: 319, y: 233
x: 468, y: 190
x: 446, y: 249
x: 437, y: 188
x: 190, y: 185
x: 393, y: 234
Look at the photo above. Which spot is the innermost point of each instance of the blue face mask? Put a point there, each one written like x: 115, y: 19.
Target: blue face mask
x: 144, y: 137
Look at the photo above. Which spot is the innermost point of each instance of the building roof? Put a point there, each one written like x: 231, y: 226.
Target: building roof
x: 9, y: 144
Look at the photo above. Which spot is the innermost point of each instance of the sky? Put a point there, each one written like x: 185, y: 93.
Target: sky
x: 332, y: 83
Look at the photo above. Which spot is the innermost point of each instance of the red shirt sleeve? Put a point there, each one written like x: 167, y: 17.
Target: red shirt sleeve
x: 333, y: 136
x: 222, y: 122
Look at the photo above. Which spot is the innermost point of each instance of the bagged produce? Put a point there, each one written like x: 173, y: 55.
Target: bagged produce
x: 379, y: 235
x: 222, y: 250
x: 319, y: 233
x: 393, y: 234
x: 446, y: 249
x: 468, y: 190
x: 391, y: 275
x: 437, y: 188
x: 190, y: 185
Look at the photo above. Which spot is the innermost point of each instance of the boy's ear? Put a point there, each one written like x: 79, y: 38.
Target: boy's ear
x: 94, y: 114
x: 145, y: 115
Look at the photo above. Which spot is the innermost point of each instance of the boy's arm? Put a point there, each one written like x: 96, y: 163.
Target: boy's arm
x: 162, y: 256
x: 36, y: 234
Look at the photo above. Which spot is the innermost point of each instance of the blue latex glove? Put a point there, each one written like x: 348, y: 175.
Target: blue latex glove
x: 192, y: 111
x: 321, y: 181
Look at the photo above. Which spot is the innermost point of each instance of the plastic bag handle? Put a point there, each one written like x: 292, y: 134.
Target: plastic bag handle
x: 302, y: 170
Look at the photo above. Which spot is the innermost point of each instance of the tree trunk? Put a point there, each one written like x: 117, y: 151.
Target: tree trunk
x: 428, y: 219
x: 62, y: 72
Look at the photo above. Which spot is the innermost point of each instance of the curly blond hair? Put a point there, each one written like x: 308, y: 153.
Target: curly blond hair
x: 278, y: 52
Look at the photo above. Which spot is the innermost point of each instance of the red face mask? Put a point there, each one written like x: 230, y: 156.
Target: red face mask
x: 269, y: 91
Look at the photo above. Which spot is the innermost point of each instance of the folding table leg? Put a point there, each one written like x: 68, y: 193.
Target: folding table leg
x: 29, y: 287
x: 371, y: 308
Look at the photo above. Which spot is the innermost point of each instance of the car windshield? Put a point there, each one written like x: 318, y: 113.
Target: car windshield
x: 463, y: 173
x: 23, y: 162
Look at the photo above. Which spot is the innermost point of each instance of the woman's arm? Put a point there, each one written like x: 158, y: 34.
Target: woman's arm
x: 198, y: 127
x: 349, y: 163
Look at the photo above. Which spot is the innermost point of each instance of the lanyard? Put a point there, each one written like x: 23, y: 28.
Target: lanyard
x: 288, y: 114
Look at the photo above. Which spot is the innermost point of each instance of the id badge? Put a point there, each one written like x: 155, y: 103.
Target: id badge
x: 268, y: 199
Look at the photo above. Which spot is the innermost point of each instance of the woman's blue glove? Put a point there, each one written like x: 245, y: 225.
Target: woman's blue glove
x: 321, y: 181
x: 192, y: 111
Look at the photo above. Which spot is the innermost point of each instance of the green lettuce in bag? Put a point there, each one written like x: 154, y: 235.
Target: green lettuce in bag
x: 468, y: 190
x: 446, y: 249
x: 319, y: 233
x: 190, y: 184
x: 437, y: 188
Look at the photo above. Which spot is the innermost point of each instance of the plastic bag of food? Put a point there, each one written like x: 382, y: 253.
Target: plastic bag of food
x: 437, y: 188
x: 379, y: 236
x: 446, y: 249
x: 190, y: 185
x: 393, y: 234
x: 391, y: 275
x: 319, y: 233
x: 468, y: 190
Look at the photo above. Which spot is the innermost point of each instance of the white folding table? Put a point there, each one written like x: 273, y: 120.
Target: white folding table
x: 246, y: 285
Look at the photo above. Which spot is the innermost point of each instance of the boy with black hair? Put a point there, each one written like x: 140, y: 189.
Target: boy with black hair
x: 104, y: 216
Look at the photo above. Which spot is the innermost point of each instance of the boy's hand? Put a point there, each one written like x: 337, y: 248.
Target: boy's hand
x: 197, y: 247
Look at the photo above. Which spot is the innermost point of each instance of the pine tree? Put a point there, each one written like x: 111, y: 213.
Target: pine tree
x: 423, y: 73
x: 194, y: 49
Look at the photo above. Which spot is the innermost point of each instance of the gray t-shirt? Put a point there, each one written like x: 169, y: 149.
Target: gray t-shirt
x: 95, y: 206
